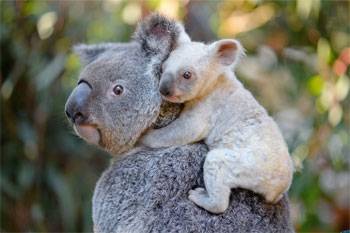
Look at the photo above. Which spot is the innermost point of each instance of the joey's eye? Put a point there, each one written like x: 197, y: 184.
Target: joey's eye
x: 187, y: 75
x: 118, y: 89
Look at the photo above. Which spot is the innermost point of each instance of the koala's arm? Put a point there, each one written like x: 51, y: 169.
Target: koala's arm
x: 190, y: 127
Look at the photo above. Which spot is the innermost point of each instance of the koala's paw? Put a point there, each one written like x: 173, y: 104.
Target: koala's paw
x: 201, y: 198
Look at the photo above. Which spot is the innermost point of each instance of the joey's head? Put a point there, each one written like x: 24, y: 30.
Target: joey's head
x: 193, y: 68
x: 117, y: 98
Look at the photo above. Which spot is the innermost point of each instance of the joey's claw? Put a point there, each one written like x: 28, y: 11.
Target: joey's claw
x: 198, y: 195
x: 197, y: 190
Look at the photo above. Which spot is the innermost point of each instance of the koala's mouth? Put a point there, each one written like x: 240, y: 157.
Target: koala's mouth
x: 89, y: 133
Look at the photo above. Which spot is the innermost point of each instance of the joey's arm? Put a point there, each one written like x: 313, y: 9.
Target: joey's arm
x: 188, y: 128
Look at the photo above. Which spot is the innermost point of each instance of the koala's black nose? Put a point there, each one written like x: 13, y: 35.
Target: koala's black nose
x: 77, y: 118
x: 77, y: 103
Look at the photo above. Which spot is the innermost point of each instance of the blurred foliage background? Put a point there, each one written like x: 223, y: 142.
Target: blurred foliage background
x: 297, y: 66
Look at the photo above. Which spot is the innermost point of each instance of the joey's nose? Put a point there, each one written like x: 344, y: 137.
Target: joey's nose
x: 76, y: 106
x: 165, y: 84
x: 164, y: 90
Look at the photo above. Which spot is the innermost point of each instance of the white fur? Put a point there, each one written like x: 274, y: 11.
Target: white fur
x: 183, y: 37
x: 246, y: 146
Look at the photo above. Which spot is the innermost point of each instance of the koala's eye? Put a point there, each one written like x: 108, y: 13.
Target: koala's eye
x: 118, y: 89
x: 187, y: 75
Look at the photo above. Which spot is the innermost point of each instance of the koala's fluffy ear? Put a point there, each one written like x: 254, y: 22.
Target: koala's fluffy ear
x: 89, y: 53
x: 228, y: 52
x: 158, y: 34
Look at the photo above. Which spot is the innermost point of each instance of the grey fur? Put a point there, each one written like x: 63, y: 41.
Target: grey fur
x: 113, y: 114
x: 145, y: 190
x: 159, y: 35
x: 89, y: 53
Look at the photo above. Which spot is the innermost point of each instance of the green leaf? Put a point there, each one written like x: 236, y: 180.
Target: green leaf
x: 315, y: 85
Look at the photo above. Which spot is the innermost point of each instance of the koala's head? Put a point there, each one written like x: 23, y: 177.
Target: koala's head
x: 193, y: 67
x: 117, y: 95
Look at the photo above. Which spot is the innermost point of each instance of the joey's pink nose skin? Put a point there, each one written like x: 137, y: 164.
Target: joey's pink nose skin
x: 76, y: 106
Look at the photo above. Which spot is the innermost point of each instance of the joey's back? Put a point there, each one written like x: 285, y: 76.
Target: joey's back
x: 202, y: 77
x: 240, y: 134
x: 238, y: 123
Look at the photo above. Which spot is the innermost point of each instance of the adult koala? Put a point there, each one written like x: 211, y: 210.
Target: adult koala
x: 146, y: 190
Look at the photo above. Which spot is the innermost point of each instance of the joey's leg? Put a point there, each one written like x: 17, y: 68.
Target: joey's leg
x: 216, y: 173
x: 225, y: 169
x: 188, y: 128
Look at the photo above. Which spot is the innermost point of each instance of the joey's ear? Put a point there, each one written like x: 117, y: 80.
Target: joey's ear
x: 228, y: 52
x: 158, y: 34
x: 89, y: 53
x: 183, y: 37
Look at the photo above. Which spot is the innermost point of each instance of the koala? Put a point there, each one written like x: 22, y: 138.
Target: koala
x: 145, y: 190
x: 105, y: 100
x: 246, y: 148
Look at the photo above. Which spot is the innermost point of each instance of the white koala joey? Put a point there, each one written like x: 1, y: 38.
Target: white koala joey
x: 246, y: 148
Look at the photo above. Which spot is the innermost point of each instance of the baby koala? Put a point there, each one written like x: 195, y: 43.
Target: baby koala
x: 246, y: 148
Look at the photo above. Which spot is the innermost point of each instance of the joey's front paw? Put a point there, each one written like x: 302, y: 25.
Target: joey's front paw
x: 144, y: 142
x: 149, y: 140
